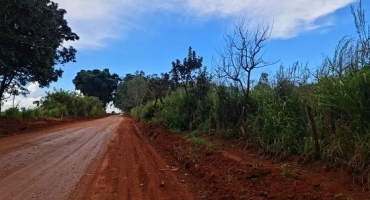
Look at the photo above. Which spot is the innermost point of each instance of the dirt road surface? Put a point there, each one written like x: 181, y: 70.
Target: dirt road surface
x: 49, y: 164
x: 132, y: 169
x: 117, y: 158
x: 99, y: 159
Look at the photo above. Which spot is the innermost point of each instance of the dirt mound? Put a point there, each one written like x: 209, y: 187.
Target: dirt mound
x: 15, y: 126
x: 224, y: 171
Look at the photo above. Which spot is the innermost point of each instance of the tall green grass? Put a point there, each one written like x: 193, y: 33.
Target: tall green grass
x: 277, y: 116
x: 217, y: 112
x: 343, y: 105
x: 170, y: 113
x: 277, y: 119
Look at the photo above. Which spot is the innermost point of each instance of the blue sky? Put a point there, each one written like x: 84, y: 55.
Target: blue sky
x: 130, y: 35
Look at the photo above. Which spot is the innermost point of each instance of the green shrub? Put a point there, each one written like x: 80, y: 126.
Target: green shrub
x: 96, y: 111
x: 13, y: 112
x: 54, y: 112
x: 30, y: 112
x: 61, y: 103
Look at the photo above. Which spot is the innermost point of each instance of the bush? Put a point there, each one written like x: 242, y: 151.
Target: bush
x: 13, y: 112
x: 65, y: 104
x: 54, y: 112
x: 33, y: 112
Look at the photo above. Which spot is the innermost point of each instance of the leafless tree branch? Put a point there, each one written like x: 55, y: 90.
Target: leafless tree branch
x: 243, y: 53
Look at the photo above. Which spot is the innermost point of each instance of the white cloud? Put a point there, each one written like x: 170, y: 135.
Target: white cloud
x: 94, y: 20
x: 20, y: 101
x: 289, y: 18
x: 33, y: 87
x: 99, y: 20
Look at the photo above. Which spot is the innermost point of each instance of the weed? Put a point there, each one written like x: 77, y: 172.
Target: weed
x: 229, y: 176
x: 255, y: 165
x: 287, y: 172
x: 201, y: 142
x: 13, y: 112
x: 342, y: 196
x: 194, y: 152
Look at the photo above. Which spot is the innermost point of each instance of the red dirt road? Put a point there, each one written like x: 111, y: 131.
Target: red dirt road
x: 48, y: 164
x: 117, y: 158
x: 132, y: 169
x: 101, y: 159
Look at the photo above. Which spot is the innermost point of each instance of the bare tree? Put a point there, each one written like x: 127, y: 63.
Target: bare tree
x: 242, y: 54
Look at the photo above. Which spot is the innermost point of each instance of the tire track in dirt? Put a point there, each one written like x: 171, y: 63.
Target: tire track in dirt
x: 19, y: 161
x: 132, y: 169
x: 48, y: 166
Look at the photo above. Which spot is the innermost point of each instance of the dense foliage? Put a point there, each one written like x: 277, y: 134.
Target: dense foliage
x: 131, y: 91
x: 60, y: 103
x: 295, y: 111
x: 31, y: 38
x: 101, y: 84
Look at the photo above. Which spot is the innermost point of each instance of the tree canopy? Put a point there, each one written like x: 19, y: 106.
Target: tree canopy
x: 131, y: 92
x: 183, y: 73
x: 158, y: 86
x: 101, y: 84
x: 31, y: 38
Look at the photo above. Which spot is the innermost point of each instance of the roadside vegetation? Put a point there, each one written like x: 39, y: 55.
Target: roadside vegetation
x: 60, y: 104
x: 321, y: 113
x: 32, y: 43
x: 33, y: 36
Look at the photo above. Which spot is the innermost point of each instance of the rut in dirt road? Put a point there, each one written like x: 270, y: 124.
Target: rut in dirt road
x: 49, y: 164
x: 132, y: 169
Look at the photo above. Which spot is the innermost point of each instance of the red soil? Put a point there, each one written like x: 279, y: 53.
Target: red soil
x: 229, y: 172
x: 145, y: 161
x: 15, y: 126
x: 132, y: 169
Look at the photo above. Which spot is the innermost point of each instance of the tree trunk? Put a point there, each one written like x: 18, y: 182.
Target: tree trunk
x: 13, y: 99
x: 1, y: 96
x: 241, y: 119
x: 246, y: 96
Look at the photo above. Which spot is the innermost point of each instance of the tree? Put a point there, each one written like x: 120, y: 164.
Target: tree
x: 101, y: 84
x: 184, y: 75
x: 123, y: 99
x: 243, y: 53
x: 158, y: 86
x: 31, y: 38
x: 136, y: 90
x: 202, y: 83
